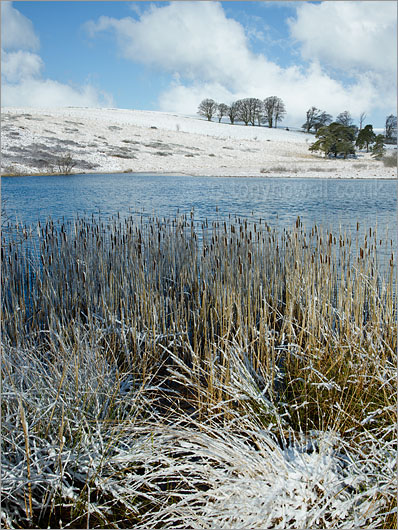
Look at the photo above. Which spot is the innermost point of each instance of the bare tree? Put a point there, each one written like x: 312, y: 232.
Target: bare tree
x: 222, y: 110
x: 362, y: 117
x: 257, y: 111
x: 344, y: 118
x: 233, y: 111
x: 260, y: 112
x: 311, y: 116
x: 269, y: 104
x: 391, y: 129
x: 65, y: 164
x: 322, y: 120
x: 254, y: 106
x: 274, y: 110
x: 244, y: 113
x: 280, y: 111
x: 316, y: 119
x: 207, y: 108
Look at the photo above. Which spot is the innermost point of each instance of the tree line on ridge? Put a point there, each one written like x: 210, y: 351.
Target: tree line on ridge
x: 334, y: 138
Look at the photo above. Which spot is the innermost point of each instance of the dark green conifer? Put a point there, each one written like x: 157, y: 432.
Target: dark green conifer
x: 378, y: 149
x: 335, y: 139
x: 366, y: 136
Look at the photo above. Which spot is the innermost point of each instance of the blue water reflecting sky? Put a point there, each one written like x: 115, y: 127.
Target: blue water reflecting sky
x: 331, y: 202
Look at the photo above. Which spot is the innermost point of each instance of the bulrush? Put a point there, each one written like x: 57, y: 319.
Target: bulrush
x: 142, y: 356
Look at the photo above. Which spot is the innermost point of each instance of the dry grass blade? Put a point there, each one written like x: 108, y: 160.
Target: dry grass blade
x: 163, y: 373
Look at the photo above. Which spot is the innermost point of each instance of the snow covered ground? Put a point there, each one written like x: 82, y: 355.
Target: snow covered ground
x: 118, y: 140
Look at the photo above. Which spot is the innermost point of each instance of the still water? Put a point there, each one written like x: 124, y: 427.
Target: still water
x: 334, y: 203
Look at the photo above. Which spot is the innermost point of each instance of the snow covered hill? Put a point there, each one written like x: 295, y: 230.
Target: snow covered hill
x: 119, y: 140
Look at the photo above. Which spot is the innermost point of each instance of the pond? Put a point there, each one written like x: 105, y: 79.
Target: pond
x: 278, y: 201
x: 336, y: 204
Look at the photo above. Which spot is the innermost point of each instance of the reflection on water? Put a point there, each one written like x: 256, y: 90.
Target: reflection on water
x: 278, y: 200
x: 333, y: 203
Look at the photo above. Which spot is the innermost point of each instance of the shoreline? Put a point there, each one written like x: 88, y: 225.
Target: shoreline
x: 180, y: 174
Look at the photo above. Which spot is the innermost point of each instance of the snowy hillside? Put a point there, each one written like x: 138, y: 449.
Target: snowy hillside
x: 118, y: 140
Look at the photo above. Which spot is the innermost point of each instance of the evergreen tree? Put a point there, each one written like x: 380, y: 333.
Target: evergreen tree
x: 378, y: 149
x: 334, y: 139
x: 365, y: 137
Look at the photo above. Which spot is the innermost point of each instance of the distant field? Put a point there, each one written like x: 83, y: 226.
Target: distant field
x: 117, y: 140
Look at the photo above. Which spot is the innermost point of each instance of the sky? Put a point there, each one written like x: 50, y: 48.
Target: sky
x: 168, y: 56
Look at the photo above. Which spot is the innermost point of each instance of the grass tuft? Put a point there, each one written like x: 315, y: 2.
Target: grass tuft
x: 166, y: 374
x: 390, y: 160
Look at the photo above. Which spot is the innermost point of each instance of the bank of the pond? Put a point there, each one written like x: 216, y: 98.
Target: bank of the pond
x: 179, y: 174
x: 116, y: 140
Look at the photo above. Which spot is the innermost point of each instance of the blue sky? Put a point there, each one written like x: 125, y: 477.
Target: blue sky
x: 169, y: 55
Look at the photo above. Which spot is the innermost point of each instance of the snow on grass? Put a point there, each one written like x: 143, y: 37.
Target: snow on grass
x: 242, y: 382
x: 89, y: 455
x: 246, y: 480
x: 120, y: 140
x: 164, y: 121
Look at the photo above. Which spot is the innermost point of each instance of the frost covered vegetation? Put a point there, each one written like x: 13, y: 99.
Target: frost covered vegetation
x: 165, y: 374
x: 39, y: 141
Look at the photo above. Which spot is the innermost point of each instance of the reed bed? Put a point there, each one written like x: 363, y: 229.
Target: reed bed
x: 162, y: 373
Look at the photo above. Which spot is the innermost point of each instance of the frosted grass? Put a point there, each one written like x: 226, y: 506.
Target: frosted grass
x: 150, y: 381
x: 98, y: 452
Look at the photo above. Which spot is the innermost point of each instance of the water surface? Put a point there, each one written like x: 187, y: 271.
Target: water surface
x: 336, y: 204
x: 331, y: 202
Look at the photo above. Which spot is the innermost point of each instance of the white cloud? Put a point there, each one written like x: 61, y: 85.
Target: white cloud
x: 22, y: 81
x: 184, y: 99
x: 348, y: 35
x: 48, y: 93
x: 19, y: 65
x: 193, y: 38
x: 211, y: 55
x: 299, y: 90
x: 17, y: 31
